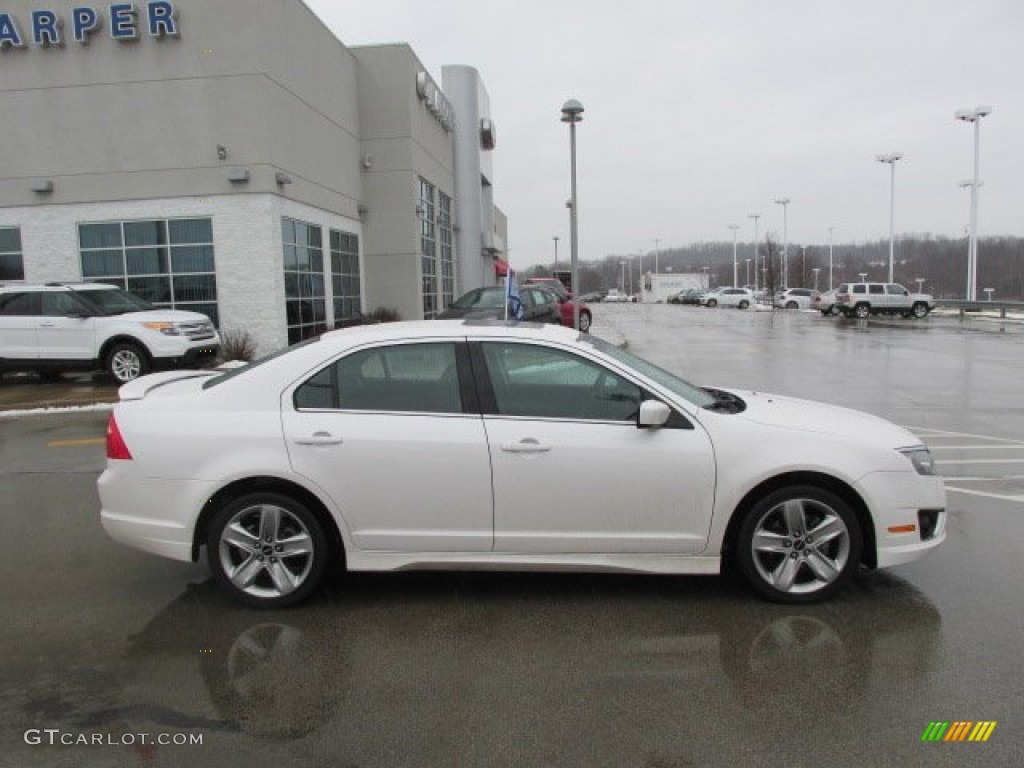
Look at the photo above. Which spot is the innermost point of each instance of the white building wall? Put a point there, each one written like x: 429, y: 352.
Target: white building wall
x: 247, y: 249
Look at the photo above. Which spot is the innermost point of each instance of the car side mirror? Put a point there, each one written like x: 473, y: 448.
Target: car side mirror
x: 653, y: 413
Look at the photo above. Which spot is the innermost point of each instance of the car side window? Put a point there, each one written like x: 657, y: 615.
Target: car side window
x: 541, y: 382
x: 58, y: 304
x: 860, y: 288
x: 876, y: 288
x: 410, y: 378
x: 19, y: 305
x: 895, y: 290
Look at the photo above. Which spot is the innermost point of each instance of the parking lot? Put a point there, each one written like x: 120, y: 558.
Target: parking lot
x: 443, y: 669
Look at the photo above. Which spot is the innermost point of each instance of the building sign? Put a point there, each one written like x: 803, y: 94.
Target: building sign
x: 122, y: 21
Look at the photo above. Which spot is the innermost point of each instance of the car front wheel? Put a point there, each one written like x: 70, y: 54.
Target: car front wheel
x: 799, y: 545
x: 126, y: 362
x: 267, y: 550
x: 862, y: 311
x: 712, y: 303
x: 744, y: 304
x: 919, y: 310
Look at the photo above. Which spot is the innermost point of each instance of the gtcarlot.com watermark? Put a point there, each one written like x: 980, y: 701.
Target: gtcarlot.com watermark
x: 55, y: 737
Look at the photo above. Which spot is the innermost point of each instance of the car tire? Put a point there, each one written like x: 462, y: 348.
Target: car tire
x: 799, y: 544
x: 919, y: 310
x: 584, y: 322
x: 126, y: 361
x: 267, y: 550
x: 744, y: 304
x: 792, y: 305
x: 862, y: 311
x: 712, y: 303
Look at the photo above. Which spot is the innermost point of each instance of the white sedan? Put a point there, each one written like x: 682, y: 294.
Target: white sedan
x: 409, y: 445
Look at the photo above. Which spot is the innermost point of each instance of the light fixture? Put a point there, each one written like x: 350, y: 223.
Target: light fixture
x: 890, y: 160
x: 236, y: 174
x: 282, y: 178
x: 222, y: 152
x: 42, y: 186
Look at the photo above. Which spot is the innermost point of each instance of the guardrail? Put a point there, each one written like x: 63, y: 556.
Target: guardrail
x: 980, y: 306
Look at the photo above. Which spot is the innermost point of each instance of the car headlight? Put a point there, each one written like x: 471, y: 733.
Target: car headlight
x: 921, y: 458
x: 168, y: 329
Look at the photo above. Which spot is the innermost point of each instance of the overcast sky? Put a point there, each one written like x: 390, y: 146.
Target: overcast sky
x: 699, y: 113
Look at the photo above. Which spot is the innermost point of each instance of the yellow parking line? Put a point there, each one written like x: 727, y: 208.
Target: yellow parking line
x: 72, y: 443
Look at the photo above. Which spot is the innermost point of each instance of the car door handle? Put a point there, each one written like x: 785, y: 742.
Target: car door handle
x: 48, y: 324
x: 319, y: 438
x: 528, y: 445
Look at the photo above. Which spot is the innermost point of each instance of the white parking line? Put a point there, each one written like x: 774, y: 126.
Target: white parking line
x: 980, y: 461
x: 977, y: 447
x: 1001, y: 496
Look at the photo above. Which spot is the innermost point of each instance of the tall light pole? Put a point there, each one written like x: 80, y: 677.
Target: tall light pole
x: 755, y: 217
x: 831, y: 282
x: 556, y: 238
x: 622, y: 279
x: 784, y: 202
x: 890, y: 160
x: 748, y: 271
x: 572, y: 113
x: 735, y: 275
x: 816, y: 270
x: 974, y: 116
x: 657, y: 250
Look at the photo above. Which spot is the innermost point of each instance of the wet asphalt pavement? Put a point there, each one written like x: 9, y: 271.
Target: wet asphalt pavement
x: 437, y: 669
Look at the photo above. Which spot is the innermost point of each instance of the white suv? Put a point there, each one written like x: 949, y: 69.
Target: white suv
x: 863, y: 299
x: 87, y: 326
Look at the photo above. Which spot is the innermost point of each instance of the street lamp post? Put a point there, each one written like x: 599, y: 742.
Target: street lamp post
x: 622, y: 276
x: 657, y: 245
x: 735, y: 274
x: 784, y: 202
x: 816, y: 270
x: 891, y: 159
x: 831, y: 282
x: 556, y: 238
x: 748, y: 271
x: 974, y: 116
x: 572, y: 113
x: 755, y: 217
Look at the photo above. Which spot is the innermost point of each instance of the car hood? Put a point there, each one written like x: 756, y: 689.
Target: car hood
x: 811, y: 416
x: 165, y: 316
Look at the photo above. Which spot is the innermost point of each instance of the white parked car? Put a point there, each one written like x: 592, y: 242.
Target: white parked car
x: 795, y: 298
x: 728, y: 297
x: 408, y: 445
x: 614, y: 296
x: 55, y: 327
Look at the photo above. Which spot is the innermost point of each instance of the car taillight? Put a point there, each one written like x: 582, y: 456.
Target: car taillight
x: 116, y: 447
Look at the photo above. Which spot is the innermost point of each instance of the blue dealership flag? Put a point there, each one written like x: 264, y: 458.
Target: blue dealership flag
x: 513, y: 304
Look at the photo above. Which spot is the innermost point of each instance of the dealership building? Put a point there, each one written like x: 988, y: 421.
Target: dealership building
x: 235, y: 158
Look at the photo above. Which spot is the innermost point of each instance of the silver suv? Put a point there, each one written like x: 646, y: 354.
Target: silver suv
x: 864, y: 299
x: 90, y: 326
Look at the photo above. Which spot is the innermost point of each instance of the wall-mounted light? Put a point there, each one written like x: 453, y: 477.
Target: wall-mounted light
x: 367, y: 161
x: 282, y: 178
x: 362, y: 210
x: 222, y: 152
x: 42, y: 186
x: 237, y: 174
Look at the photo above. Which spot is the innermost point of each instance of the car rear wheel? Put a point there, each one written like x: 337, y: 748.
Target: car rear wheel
x: 126, y: 362
x: 791, y: 305
x: 267, y: 550
x: 799, y: 545
x: 919, y: 310
x: 712, y: 303
x: 862, y: 311
x: 744, y: 304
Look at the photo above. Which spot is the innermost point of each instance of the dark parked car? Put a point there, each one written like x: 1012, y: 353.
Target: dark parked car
x: 689, y: 296
x: 539, y: 305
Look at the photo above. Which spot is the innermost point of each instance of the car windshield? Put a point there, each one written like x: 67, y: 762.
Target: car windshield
x: 113, y: 301
x: 669, y: 381
x: 488, y: 298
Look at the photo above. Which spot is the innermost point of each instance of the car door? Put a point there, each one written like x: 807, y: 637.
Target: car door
x: 66, y: 330
x: 384, y: 433
x: 19, y: 318
x: 572, y: 471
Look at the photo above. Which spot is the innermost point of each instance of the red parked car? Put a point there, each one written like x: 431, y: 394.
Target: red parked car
x: 565, y: 302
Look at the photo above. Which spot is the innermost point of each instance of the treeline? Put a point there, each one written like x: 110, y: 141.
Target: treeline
x: 940, y: 262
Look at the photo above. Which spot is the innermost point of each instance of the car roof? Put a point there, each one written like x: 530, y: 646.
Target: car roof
x: 425, y: 329
x: 57, y: 287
